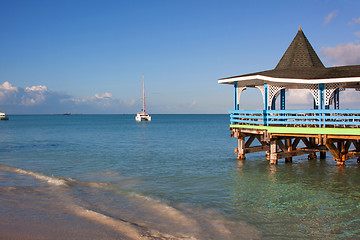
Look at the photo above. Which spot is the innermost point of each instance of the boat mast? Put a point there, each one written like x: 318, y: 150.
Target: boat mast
x: 144, y: 95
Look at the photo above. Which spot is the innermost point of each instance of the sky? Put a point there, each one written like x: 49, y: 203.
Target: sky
x: 89, y: 56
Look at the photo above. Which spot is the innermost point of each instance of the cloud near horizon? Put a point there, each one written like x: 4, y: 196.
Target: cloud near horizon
x: 40, y: 100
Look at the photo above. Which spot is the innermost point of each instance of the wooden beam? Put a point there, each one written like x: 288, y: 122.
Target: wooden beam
x: 281, y: 145
x: 334, y: 151
x: 292, y: 153
x: 343, y: 137
x: 249, y: 141
x: 257, y: 149
x: 347, y: 145
x: 295, y: 143
x: 356, y: 145
x: 307, y: 142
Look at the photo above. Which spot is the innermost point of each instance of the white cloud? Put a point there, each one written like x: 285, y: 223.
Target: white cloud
x: 342, y: 54
x: 39, y: 88
x: 96, y: 98
x: 7, y: 91
x: 104, y: 96
x: 355, y: 21
x: 33, y: 98
x: 34, y: 95
x: 330, y: 17
x: 103, y: 102
x: 6, y: 86
x: 299, y: 99
x: 39, y: 99
x: 349, y: 99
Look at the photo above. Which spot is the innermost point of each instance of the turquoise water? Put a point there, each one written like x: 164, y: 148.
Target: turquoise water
x: 177, y: 176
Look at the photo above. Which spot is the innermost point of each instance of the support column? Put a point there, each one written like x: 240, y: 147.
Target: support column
x: 267, y: 155
x: 236, y: 106
x: 312, y: 156
x: 288, y: 145
x: 336, y: 99
x: 282, y: 99
x: 273, y: 152
x: 342, y: 150
x: 322, y: 155
x: 241, y: 148
x: 266, y: 105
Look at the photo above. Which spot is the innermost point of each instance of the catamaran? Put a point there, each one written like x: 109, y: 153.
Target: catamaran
x: 143, y: 116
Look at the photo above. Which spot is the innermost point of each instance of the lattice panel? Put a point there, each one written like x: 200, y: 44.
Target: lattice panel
x: 239, y: 91
x: 314, y: 90
x: 329, y: 92
x: 272, y: 91
x: 262, y: 90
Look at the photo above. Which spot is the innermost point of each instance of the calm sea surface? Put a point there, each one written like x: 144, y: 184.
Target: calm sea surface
x: 177, y: 177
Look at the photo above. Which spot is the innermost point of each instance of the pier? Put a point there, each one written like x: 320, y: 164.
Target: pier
x: 282, y: 133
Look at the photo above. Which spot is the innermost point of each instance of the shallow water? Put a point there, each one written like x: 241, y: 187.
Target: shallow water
x: 107, y: 176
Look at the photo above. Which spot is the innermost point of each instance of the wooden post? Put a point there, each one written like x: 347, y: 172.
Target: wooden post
x: 288, y: 145
x: 241, y: 148
x: 273, y: 152
x: 323, y: 155
x: 267, y: 155
x: 341, y: 147
x: 312, y: 156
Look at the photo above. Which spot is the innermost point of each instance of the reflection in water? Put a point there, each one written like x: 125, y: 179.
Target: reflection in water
x: 309, y: 198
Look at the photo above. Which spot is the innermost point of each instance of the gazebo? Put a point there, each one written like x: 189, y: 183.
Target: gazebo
x: 324, y: 128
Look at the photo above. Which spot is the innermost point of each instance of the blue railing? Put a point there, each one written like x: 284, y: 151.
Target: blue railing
x: 297, y: 118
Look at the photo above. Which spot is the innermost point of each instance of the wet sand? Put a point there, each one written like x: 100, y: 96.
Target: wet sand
x: 49, y: 209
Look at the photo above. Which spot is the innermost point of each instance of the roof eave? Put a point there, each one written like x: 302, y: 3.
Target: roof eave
x: 256, y: 79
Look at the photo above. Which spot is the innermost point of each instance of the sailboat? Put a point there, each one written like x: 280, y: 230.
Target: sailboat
x: 143, y: 116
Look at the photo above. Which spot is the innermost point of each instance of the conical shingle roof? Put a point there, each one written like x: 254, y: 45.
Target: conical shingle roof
x: 299, y: 54
x: 300, y: 61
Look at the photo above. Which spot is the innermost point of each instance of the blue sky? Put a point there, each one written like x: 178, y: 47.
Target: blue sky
x: 89, y: 56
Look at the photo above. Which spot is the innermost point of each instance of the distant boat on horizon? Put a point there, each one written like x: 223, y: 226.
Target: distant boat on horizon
x: 143, y: 116
x: 3, y: 116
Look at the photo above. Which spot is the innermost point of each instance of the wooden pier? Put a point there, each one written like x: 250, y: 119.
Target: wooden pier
x: 278, y: 145
x: 283, y: 134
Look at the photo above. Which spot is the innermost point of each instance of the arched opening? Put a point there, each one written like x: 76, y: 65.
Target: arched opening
x: 299, y: 99
x: 251, y: 99
x: 349, y: 99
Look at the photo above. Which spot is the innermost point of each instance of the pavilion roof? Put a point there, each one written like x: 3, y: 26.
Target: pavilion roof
x: 299, y: 65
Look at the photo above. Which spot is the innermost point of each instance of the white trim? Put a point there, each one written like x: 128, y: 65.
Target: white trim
x: 287, y: 80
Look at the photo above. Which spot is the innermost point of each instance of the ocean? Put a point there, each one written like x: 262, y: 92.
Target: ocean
x: 177, y: 177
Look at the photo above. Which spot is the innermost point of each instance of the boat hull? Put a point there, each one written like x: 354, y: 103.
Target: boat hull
x: 143, y: 117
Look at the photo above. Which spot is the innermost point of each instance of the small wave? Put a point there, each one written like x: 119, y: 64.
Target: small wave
x: 195, y: 223
x: 126, y: 228
x: 168, y: 214
x: 49, y: 179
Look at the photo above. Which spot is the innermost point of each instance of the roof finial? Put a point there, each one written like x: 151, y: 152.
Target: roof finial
x: 300, y: 28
